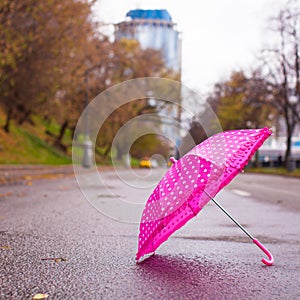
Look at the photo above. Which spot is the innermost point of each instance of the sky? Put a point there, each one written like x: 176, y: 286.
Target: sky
x: 218, y: 36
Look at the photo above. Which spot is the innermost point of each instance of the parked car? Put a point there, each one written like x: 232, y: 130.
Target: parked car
x: 146, y: 162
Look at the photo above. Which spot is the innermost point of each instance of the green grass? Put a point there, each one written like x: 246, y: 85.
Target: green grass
x: 46, y: 153
x: 274, y: 171
x: 135, y: 162
x: 30, y: 144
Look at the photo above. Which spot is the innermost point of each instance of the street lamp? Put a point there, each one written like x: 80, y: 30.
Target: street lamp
x: 293, y: 99
x: 87, y: 144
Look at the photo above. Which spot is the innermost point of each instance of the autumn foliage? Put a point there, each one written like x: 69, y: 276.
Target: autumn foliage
x: 53, y: 57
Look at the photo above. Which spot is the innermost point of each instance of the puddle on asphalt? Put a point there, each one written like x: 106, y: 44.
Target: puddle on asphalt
x: 233, y: 225
x: 110, y: 196
x: 235, y: 239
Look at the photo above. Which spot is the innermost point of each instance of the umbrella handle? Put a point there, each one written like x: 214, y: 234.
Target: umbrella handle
x: 254, y: 240
x: 173, y: 159
x: 269, y: 254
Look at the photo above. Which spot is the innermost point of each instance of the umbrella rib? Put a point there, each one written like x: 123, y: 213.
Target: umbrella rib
x: 191, y: 208
x: 270, y: 260
x: 230, y: 216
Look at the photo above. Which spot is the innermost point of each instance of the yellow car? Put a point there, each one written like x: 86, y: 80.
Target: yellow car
x: 145, y: 163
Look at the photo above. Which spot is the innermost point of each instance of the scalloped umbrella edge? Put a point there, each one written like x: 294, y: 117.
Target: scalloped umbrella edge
x: 192, y: 182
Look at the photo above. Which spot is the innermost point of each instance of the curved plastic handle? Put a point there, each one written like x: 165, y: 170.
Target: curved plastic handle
x: 269, y: 254
x: 173, y: 159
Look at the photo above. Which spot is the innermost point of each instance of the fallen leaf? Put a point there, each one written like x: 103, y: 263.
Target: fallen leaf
x: 63, y: 188
x: 21, y: 194
x: 40, y: 296
x: 6, y: 195
x: 5, y: 247
x: 29, y: 183
x: 56, y: 259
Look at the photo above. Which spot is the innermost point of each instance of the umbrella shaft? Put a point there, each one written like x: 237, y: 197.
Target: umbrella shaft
x: 230, y: 216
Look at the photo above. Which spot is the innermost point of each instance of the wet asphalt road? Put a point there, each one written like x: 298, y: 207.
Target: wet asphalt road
x: 209, y: 258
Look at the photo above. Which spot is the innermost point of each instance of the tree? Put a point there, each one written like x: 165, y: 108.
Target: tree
x: 148, y: 145
x: 128, y: 61
x: 281, y: 68
x: 84, y: 77
x: 53, y: 59
x: 194, y: 136
x: 238, y: 104
x: 41, y: 54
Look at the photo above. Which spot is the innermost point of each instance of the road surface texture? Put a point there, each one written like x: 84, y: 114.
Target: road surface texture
x: 54, y: 241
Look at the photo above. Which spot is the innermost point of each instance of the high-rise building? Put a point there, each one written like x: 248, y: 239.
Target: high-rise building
x: 153, y: 29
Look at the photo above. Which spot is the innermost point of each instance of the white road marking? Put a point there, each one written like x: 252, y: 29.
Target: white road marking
x: 241, y: 193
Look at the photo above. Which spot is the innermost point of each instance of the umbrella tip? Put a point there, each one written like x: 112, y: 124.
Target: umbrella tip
x: 140, y: 259
x: 173, y: 159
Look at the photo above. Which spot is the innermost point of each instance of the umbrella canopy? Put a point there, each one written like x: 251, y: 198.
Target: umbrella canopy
x: 194, y: 180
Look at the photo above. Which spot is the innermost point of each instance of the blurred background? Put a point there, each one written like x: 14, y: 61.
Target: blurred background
x: 240, y: 58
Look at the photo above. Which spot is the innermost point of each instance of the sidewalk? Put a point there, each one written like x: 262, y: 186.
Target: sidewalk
x: 22, y: 174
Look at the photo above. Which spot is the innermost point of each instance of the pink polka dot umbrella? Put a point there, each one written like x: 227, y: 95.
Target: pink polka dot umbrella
x: 193, y: 181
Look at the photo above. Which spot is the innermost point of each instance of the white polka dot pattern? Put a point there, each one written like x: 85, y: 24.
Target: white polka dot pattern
x: 179, y: 195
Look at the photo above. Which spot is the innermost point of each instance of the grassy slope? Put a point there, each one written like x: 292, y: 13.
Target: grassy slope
x: 31, y: 145
x: 275, y: 171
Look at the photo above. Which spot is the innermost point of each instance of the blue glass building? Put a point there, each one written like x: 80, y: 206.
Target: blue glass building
x: 153, y: 29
